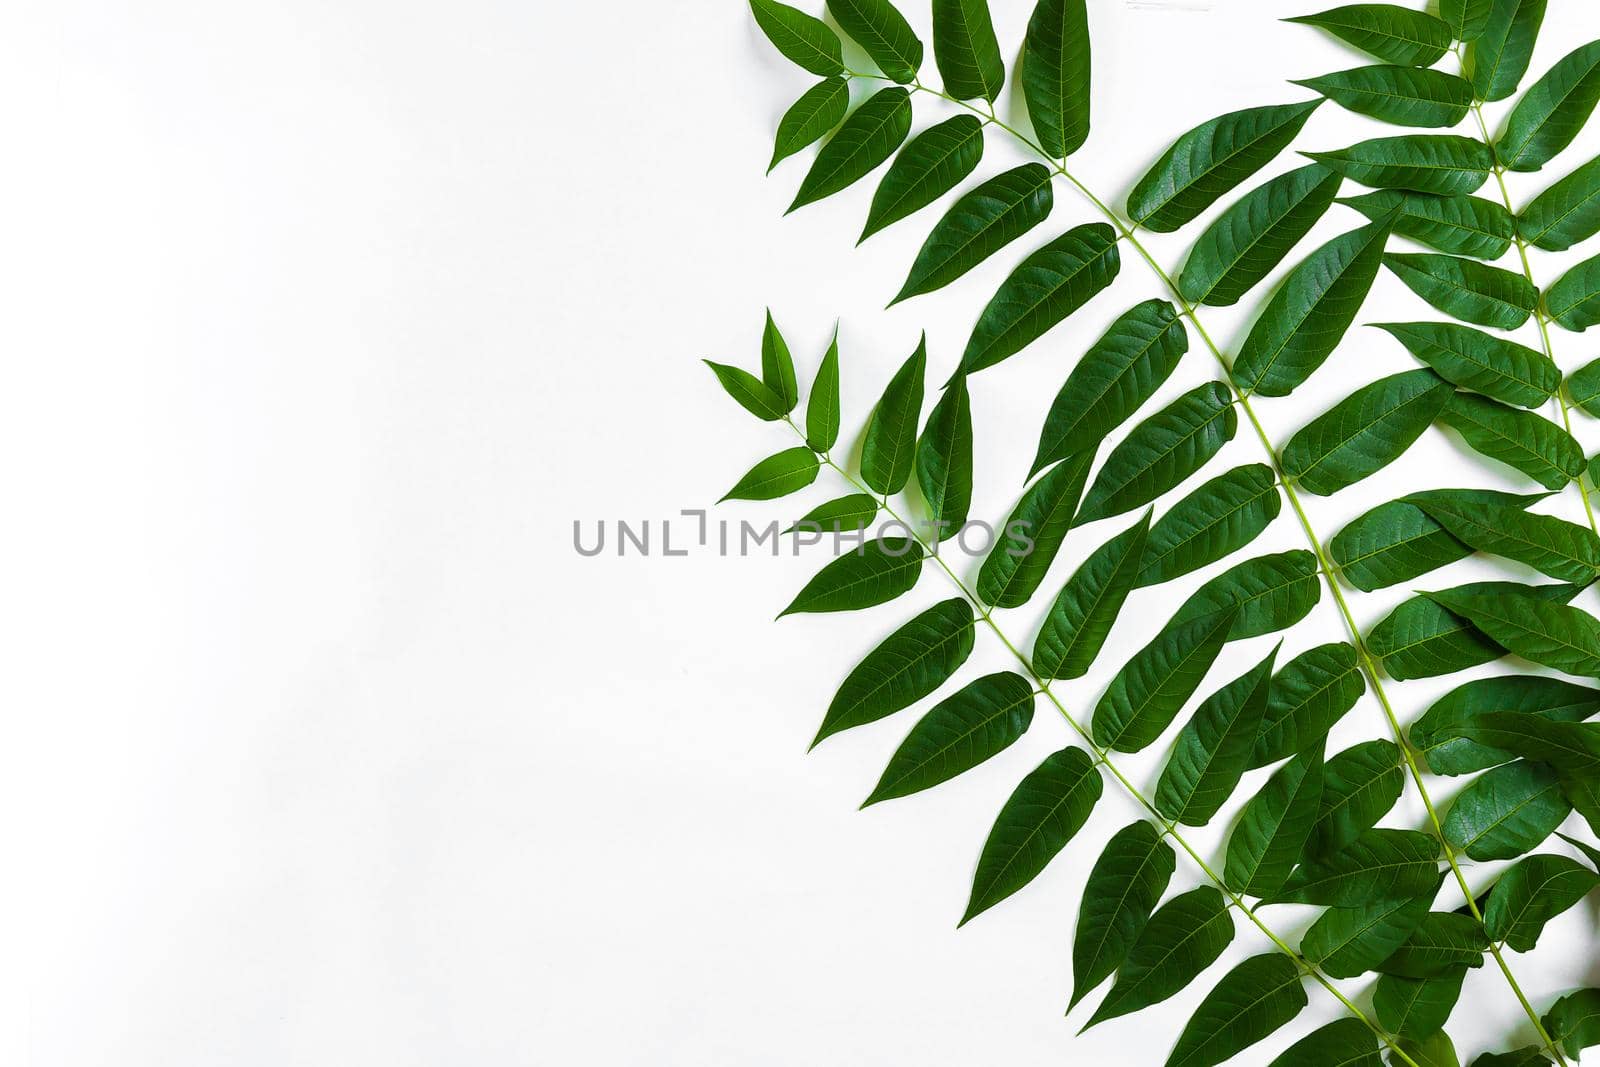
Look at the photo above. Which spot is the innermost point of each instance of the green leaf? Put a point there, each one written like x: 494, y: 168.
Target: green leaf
x: 1448, y: 753
x: 982, y: 222
x: 1506, y: 812
x: 1342, y: 1043
x: 1404, y: 96
x: 934, y: 162
x: 908, y: 665
x: 1574, y: 1021
x: 1381, y: 864
x: 1499, y: 58
x: 868, y: 137
x: 1309, y: 313
x: 1211, y: 159
x: 1472, y: 359
x: 751, y: 392
x: 1312, y: 692
x: 1566, y: 746
x: 1122, y: 370
x: 1034, y: 533
x: 1552, y: 546
x: 1445, y: 163
x: 1416, y: 1008
x: 978, y: 721
x: 1466, y: 289
x: 1583, y: 387
x: 1211, y: 523
x: 1359, y: 786
x: 1532, y: 893
x: 844, y: 515
x: 1397, y: 541
x: 1421, y: 639
x: 1162, y: 451
x: 883, y: 34
x: 1249, y: 1004
x: 777, y: 365
x: 1152, y: 687
x: 787, y: 472
x: 1392, y: 33
x: 875, y: 573
x: 1565, y: 213
x: 800, y: 37
x: 1435, y: 1050
x: 1364, y: 432
x: 944, y: 461
x: 889, y: 449
x: 1349, y: 942
x: 1270, y: 592
x: 1049, y: 806
x: 809, y: 118
x: 1180, y: 941
x: 1444, y: 941
x: 1533, y: 445
x: 1123, y: 887
x: 1213, y: 748
x: 965, y: 48
x: 1055, y: 75
x: 822, y: 410
x: 1589, y: 851
x: 1527, y: 1056
x: 1552, y: 111
x: 1467, y: 19
x: 1251, y: 238
x: 1555, y: 635
x: 1463, y: 225
x: 1274, y: 825
x: 1081, y: 617
x: 1574, y: 300
x: 1052, y: 283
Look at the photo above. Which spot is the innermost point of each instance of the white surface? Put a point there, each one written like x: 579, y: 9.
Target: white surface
x: 323, y: 323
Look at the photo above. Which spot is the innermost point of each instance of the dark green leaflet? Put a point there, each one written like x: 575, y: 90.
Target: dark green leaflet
x: 1182, y: 939
x: 1211, y: 523
x: 1565, y: 213
x: 1123, y: 887
x: 1552, y: 111
x: 1472, y: 359
x: 1272, y: 829
x: 966, y: 51
x: 1499, y: 58
x: 981, y: 719
x: 883, y: 33
x: 934, y: 162
x: 888, y: 451
x: 910, y: 664
x: 1527, y: 1056
x: 751, y: 392
x: 1055, y: 75
x: 1467, y: 19
x: 1392, y: 33
x: 1444, y: 941
x: 1309, y: 313
x: 978, y: 225
x: 1120, y: 372
x: 1342, y: 1043
x: 846, y: 514
x: 800, y: 37
x: 789, y: 471
x: 1552, y: 634
x: 944, y: 461
x: 1251, y: 238
x: 1448, y: 753
x: 1445, y: 164
x: 810, y: 118
x: 1574, y: 300
x: 1147, y: 694
x: 1421, y: 639
x: 1583, y: 387
x: 1211, y: 159
x: 868, y: 137
x: 1402, y: 95
x: 874, y: 574
x: 777, y: 365
x: 1359, y: 786
x: 1397, y: 541
x: 822, y: 410
x: 1532, y: 893
x: 1461, y: 225
x: 1563, y: 550
x: 1574, y: 1021
x: 1049, y: 806
x: 1310, y: 694
x: 1589, y: 851
x: 1251, y: 1002
x: 1080, y: 619
x: 1466, y: 289
x: 1162, y: 451
x: 1213, y: 748
x: 1270, y: 592
x: 1566, y: 746
x: 1052, y: 283
x: 1416, y: 1008
x: 1381, y: 864
x: 1033, y: 534
x: 1506, y: 812
x: 1533, y: 445
x: 1349, y: 942
x: 1436, y: 1050
x: 1364, y: 432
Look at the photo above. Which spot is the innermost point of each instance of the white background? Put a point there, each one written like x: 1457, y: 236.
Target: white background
x: 323, y: 323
